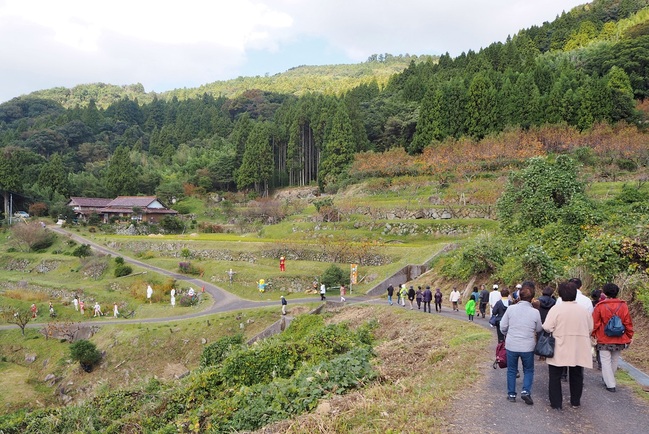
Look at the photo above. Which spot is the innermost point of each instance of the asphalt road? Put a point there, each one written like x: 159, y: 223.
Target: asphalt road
x: 223, y: 301
x: 484, y: 407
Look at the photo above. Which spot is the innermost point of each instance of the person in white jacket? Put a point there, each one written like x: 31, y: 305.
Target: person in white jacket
x: 494, y: 297
x: 454, y: 298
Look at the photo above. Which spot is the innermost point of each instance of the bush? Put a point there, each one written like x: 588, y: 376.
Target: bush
x: 86, y: 353
x: 94, y: 219
x: 32, y: 237
x: 119, y: 260
x: 123, y: 270
x: 188, y: 268
x: 262, y: 363
x: 214, y: 353
x: 38, y: 209
x: 188, y: 300
x: 334, y: 276
x: 172, y: 225
x: 538, y: 265
x: 210, y: 228
x: 82, y: 251
x: 483, y: 255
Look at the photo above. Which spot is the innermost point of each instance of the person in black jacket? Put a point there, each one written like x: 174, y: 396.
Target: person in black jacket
x: 411, y: 296
x: 546, y: 301
x: 484, y: 300
x: 390, y: 293
x: 499, y: 310
x: 428, y: 296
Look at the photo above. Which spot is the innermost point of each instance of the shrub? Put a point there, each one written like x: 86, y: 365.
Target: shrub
x: 187, y: 267
x: 334, y: 276
x: 94, y: 219
x: 601, y: 254
x: 82, y: 251
x: 538, y: 265
x: 483, y: 255
x: 172, y: 224
x: 86, y: 353
x: 119, y: 260
x: 261, y: 364
x: 32, y: 237
x: 214, y: 353
x: 123, y: 270
x: 210, y: 228
x: 38, y: 209
x: 187, y: 300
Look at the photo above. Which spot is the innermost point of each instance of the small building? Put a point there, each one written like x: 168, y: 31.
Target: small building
x: 142, y: 208
x: 85, y: 206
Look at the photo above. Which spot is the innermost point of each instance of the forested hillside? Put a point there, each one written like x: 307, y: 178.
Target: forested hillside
x: 585, y: 69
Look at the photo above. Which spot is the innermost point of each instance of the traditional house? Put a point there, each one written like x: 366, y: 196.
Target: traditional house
x: 142, y: 208
x: 85, y: 206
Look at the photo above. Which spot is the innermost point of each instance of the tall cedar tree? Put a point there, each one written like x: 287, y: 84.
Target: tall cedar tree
x: 257, y: 166
x: 120, y: 178
x: 339, y: 149
x: 54, y: 177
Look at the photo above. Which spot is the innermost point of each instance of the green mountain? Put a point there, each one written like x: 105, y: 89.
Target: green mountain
x: 300, y: 80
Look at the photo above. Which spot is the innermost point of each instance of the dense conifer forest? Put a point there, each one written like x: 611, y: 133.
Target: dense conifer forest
x: 585, y: 69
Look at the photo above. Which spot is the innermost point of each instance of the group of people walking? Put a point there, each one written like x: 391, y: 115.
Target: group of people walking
x: 580, y: 326
x: 422, y: 297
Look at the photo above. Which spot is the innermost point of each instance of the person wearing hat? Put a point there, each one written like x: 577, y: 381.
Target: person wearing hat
x: 516, y: 295
x: 284, y: 303
x: 494, y: 297
x: 484, y: 300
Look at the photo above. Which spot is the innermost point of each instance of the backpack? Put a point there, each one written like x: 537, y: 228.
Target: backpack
x: 614, y: 326
x: 501, y: 356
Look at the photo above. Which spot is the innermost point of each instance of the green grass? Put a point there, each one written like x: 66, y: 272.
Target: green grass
x: 134, y: 353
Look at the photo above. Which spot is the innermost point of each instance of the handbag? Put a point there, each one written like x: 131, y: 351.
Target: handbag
x: 493, y: 320
x: 545, y: 345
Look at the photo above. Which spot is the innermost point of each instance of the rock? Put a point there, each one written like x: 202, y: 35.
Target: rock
x: 323, y: 408
x: 175, y: 371
x: 203, y: 341
x: 241, y: 326
x: 29, y: 358
x: 49, y: 377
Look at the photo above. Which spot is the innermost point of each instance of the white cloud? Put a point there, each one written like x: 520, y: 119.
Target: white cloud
x: 164, y: 44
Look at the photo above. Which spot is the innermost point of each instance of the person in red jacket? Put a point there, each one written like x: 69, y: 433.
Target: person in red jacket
x: 610, y: 346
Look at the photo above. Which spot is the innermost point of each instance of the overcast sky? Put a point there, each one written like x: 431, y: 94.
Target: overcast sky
x: 174, y: 44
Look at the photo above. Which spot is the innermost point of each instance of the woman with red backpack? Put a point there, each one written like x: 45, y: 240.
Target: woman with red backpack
x: 612, y: 334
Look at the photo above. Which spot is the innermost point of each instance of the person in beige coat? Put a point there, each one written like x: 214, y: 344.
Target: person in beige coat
x: 571, y: 326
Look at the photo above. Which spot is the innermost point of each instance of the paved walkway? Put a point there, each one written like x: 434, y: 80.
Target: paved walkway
x: 483, y: 408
